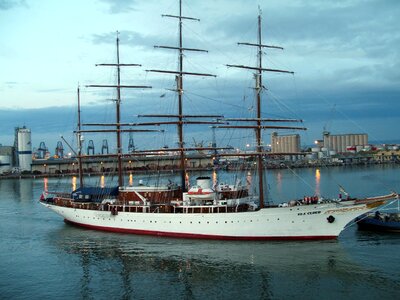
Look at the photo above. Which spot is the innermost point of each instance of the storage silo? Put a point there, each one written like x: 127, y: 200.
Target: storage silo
x: 348, y: 142
x: 357, y: 140
x: 285, y: 144
x: 24, y: 150
x: 364, y: 139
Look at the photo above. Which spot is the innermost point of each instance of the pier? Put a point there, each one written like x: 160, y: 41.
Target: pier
x: 170, y: 163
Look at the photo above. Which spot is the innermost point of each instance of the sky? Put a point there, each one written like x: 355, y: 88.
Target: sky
x: 344, y: 54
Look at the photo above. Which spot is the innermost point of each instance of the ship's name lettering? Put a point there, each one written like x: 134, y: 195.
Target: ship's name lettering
x: 309, y: 213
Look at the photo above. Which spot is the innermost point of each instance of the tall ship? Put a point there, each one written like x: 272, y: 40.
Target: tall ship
x: 207, y: 209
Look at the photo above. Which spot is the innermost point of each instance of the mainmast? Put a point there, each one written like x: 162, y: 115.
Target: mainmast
x: 179, y: 90
x: 259, y: 121
x: 118, y: 87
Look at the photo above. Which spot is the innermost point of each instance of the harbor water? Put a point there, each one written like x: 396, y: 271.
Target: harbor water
x: 41, y: 257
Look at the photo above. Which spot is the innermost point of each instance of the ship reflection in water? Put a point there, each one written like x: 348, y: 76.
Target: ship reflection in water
x: 145, y: 267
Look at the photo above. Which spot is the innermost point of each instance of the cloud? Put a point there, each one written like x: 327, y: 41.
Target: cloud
x: 10, y: 4
x: 120, y: 6
x: 129, y: 38
x: 343, y: 53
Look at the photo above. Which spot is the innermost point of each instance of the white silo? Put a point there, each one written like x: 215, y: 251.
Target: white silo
x: 24, y: 149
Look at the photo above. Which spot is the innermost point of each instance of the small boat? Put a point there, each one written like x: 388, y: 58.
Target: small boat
x: 379, y: 222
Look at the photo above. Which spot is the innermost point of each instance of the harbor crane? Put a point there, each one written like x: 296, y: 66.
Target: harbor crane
x: 42, y: 150
x: 90, y: 147
x: 59, y: 152
x: 104, y: 147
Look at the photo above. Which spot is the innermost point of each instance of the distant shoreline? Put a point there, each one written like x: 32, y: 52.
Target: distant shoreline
x: 243, y: 167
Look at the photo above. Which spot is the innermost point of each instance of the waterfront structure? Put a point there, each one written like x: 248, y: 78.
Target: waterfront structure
x: 23, y: 146
x: 6, y: 154
x: 285, y: 143
x: 345, y: 142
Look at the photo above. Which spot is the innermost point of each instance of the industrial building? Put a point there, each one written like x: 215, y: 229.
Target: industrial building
x: 23, y: 145
x: 285, y: 143
x: 17, y: 158
x: 341, y: 143
x: 6, y: 159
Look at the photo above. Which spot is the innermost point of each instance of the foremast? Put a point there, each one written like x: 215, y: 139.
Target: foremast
x: 117, y: 125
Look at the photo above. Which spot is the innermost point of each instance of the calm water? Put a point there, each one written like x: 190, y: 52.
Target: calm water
x: 41, y: 257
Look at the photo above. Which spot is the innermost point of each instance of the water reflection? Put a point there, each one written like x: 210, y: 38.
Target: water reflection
x: 73, y: 183
x: 130, y: 179
x: 24, y: 189
x: 187, y: 179
x: 149, y: 267
x: 317, y: 182
x: 279, y: 182
x: 214, y: 178
x: 45, y: 184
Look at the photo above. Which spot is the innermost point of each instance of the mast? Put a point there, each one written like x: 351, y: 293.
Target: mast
x: 118, y: 119
x: 118, y: 87
x: 179, y: 88
x: 259, y: 121
x: 79, y: 141
x: 258, y: 90
x: 180, y: 96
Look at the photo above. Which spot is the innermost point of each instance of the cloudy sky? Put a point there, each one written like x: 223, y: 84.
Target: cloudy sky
x: 344, y: 54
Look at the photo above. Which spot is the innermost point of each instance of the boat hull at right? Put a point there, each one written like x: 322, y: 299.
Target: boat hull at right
x: 389, y: 222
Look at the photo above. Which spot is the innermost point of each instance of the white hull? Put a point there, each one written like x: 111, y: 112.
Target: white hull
x: 298, y: 222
